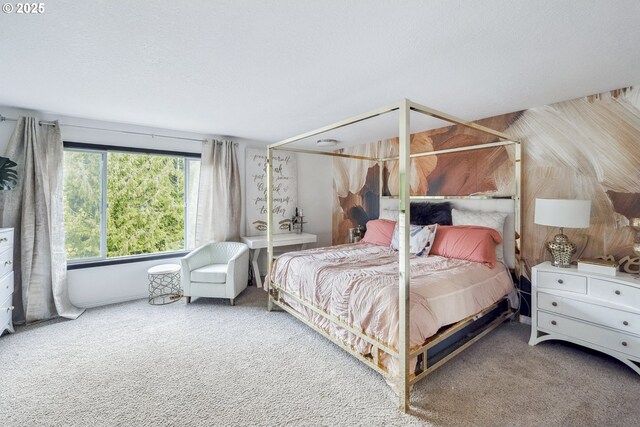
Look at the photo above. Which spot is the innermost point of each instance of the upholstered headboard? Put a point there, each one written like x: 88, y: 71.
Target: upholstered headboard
x: 389, y: 210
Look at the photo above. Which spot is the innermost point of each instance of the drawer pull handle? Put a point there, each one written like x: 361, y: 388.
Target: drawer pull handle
x: 560, y: 281
x: 4, y: 239
x: 555, y: 304
x: 8, y: 263
x: 624, y: 343
x: 617, y: 292
x: 625, y: 323
x: 554, y: 323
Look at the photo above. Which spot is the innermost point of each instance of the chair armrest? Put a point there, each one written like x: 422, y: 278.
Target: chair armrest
x: 185, y: 277
x: 199, y: 257
x: 238, y: 270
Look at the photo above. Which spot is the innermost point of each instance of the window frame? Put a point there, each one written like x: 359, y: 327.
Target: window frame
x: 104, y: 150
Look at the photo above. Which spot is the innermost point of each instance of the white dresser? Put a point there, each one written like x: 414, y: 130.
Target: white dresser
x: 594, y: 310
x: 6, y: 279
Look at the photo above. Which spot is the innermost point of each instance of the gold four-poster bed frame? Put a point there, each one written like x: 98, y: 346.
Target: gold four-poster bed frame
x: 404, y: 354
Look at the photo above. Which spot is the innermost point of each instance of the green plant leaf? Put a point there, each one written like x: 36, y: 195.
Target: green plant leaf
x: 8, y: 174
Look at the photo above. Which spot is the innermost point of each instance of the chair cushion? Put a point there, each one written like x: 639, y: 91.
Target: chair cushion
x: 214, y: 273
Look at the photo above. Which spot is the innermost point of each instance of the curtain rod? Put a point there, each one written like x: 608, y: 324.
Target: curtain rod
x: 130, y: 132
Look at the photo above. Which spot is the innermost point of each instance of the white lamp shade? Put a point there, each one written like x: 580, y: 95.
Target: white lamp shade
x: 563, y: 213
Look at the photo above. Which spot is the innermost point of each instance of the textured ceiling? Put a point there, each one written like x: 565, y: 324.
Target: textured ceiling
x: 268, y: 70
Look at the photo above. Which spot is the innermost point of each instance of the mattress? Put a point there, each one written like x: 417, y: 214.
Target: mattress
x: 358, y: 283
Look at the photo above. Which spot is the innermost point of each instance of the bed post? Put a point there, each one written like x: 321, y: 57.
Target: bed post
x: 269, y: 167
x: 406, y: 374
x: 403, y: 254
x: 517, y: 168
x: 380, y: 164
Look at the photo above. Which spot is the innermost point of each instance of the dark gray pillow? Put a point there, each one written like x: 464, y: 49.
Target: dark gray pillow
x: 425, y: 213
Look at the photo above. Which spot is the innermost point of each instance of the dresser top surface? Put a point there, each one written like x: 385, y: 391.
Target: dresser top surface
x: 627, y: 278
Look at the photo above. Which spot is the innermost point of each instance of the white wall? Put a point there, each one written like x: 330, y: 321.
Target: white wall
x: 96, y: 286
x: 315, y: 195
x: 315, y: 192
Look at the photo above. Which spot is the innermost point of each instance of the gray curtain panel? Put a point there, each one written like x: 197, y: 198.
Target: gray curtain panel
x: 35, y: 210
x: 219, y: 203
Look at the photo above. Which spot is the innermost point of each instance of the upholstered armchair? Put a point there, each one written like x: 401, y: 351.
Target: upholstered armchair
x: 216, y: 270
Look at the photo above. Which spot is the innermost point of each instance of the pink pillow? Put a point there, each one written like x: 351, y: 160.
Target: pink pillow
x: 379, y: 232
x: 470, y: 242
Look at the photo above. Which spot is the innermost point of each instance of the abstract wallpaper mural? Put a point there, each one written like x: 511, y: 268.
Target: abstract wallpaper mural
x: 587, y: 148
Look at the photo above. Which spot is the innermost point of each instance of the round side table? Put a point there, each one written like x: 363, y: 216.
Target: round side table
x: 164, y: 284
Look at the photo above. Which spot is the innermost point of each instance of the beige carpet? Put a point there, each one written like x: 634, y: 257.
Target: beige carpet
x: 210, y: 364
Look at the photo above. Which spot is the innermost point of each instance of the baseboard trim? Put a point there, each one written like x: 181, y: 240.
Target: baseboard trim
x: 525, y: 319
x: 110, y: 301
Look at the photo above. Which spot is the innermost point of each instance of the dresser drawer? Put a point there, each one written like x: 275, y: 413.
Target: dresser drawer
x: 6, y: 286
x: 6, y: 310
x: 6, y: 239
x: 615, y: 292
x: 549, y: 302
x: 562, y: 281
x: 606, y: 338
x: 605, y: 316
x: 6, y: 261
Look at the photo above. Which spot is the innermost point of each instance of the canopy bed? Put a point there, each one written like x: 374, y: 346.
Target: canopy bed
x: 402, y: 314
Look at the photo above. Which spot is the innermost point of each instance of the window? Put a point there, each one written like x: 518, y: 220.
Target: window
x: 124, y: 203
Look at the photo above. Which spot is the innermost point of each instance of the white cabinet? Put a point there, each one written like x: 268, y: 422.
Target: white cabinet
x: 593, y: 310
x: 6, y: 279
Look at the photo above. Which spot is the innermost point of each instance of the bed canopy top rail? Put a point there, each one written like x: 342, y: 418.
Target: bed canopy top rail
x: 325, y: 153
x: 384, y: 110
x: 454, y: 150
x: 337, y: 125
x: 452, y: 119
x: 405, y: 378
x: 412, y: 155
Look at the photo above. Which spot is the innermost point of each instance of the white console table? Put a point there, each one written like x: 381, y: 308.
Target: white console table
x: 257, y: 243
x: 593, y: 310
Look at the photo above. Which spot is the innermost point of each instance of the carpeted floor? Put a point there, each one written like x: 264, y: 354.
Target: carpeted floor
x: 210, y: 364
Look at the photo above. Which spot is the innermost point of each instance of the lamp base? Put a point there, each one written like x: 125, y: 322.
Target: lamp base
x: 635, y: 224
x: 561, y: 250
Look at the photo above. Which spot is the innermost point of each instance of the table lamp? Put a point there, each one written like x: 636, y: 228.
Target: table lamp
x: 562, y: 213
x: 635, y: 224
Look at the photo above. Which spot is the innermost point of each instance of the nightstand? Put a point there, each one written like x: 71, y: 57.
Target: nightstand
x: 593, y: 310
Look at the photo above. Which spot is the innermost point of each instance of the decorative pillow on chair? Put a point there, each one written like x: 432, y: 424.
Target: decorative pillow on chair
x: 493, y: 220
x: 420, y: 239
x: 379, y: 232
x: 468, y: 242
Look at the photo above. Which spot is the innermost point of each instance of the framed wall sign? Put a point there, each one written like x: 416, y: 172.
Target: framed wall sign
x: 285, y: 191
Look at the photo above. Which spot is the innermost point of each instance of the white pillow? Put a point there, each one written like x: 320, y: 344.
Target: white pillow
x: 390, y: 214
x: 493, y: 220
x: 420, y: 239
